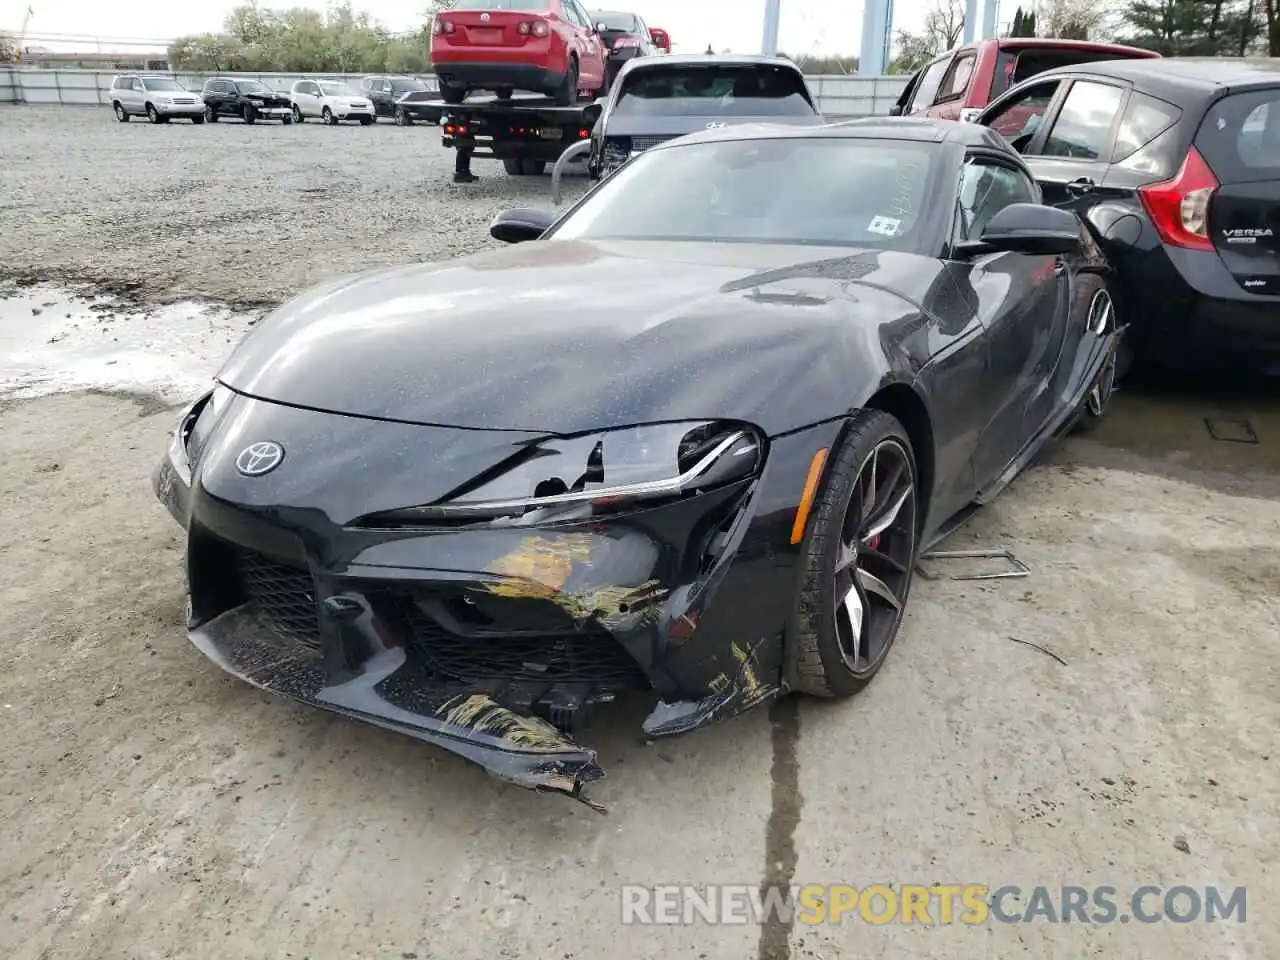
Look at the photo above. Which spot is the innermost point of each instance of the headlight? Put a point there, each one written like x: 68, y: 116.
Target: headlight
x: 192, y: 429
x: 603, y: 471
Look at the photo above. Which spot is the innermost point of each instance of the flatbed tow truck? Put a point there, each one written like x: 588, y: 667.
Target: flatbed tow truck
x: 525, y: 133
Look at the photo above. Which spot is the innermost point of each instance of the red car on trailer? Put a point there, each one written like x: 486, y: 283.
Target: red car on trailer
x: 541, y: 46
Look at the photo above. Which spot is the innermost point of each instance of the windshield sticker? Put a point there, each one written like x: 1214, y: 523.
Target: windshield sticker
x: 886, y: 226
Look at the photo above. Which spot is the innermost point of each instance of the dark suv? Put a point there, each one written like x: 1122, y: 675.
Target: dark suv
x: 250, y: 100
x: 401, y: 98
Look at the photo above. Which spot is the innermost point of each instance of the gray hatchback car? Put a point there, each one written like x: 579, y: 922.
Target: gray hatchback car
x: 159, y: 99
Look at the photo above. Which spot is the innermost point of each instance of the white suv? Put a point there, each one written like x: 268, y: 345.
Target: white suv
x: 157, y: 98
x: 331, y: 101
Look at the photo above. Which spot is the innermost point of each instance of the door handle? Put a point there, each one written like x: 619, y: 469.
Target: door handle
x: 1080, y: 187
x: 1059, y: 268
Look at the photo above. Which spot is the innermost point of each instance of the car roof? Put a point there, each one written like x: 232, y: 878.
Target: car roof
x: 714, y: 59
x: 1047, y: 43
x: 915, y: 129
x: 1185, y: 73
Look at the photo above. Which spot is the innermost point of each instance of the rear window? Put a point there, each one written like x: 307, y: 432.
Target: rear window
x: 755, y: 90
x: 854, y: 192
x: 1240, y: 136
x: 1014, y: 66
x: 533, y: 6
x: 622, y: 22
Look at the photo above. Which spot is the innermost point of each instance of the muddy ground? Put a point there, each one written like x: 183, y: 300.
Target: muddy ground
x: 152, y: 807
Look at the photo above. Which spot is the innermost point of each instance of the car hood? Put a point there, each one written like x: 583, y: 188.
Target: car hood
x: 569, y: 336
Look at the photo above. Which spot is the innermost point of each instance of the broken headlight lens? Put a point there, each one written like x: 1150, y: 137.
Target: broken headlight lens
x: 617, y: 467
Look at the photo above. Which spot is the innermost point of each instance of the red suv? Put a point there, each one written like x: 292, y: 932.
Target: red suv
x: 962, y: 81
x: 543, y: 46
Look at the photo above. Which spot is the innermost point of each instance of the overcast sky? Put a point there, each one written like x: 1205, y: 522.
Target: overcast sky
x: 812, y: 27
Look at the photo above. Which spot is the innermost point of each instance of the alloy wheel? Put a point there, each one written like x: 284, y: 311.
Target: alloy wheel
x: 1102, y: 318
x: 877, y: 546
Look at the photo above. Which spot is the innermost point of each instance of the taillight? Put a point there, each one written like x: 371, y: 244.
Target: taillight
x: 537, y: 28
x: 442, y: 26
x: 1179, y: 208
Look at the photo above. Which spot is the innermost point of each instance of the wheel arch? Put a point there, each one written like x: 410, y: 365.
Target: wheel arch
x: 902, y: 402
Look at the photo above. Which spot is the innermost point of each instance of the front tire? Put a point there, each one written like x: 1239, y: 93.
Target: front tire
x: 402, y: 118
x: 210, y: 114
x: 152, y: 114
x: 247, y: 113
x: 297, y: 114
x: 1100, y: 316
x: 197, y: 118
x: 859, y: 556
x: 366, y: 121
x: 327, y: 116
x: 121, y: 114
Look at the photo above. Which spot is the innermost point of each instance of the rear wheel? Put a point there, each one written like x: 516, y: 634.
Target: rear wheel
x: 197, y: 118
x: 858, y: 559
x: 365, y: 121
x: 520, y: 167
x: 248, y: 113
x: 402, y: 118
x: 567, y: 94
x: 451, y: 94
x: 210, y: 114
x: 121, y: 114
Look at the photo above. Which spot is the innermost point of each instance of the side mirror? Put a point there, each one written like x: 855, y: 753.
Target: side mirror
x: 520, y: 224
x: 895, y: 110
x: 591, y: 113
x: 1029, y: 228
x: 601, y: 27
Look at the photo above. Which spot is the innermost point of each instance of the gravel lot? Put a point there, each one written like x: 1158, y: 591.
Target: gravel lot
x: 152, y: 807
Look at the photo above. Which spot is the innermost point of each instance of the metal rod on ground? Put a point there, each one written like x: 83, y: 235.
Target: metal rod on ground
x: 582, y: 146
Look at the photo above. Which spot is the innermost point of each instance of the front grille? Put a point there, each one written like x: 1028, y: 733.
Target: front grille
x: 591, y: 656
x: 644, y: 143
x: 284, y: 596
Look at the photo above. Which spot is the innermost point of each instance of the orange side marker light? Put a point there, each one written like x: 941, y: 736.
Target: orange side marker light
x: 806, y: 498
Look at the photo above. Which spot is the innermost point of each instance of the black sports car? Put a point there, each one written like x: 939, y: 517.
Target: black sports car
x: 688, y: 441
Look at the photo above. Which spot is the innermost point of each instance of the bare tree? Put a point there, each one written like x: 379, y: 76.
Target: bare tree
x: 943, y: 26
x: 1075, y: 19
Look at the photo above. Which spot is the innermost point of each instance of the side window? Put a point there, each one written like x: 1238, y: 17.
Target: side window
x: 117, y: 83
x: 927, y: 88
x: 1019, y: 119
x: 986, y: 188
x: 385, y: 86
x: 1083, y: 128
x: 956, y: 80
x: 139, y: 86
x: 1145, y: 118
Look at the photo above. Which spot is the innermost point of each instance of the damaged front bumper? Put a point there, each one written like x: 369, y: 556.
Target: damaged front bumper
x: 496, y: 643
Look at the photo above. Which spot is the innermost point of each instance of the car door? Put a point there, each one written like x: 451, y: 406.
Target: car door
x: 948, y: 102
x: 1022, y: 301
x: 213, y: 96
x: 1069, y: 155
x: 587, y: 43
x: 136, y: 94
x: 925, y: 90
x: 385, y: 103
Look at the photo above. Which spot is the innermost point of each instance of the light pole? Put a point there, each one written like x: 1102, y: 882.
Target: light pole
x: 772, y: 10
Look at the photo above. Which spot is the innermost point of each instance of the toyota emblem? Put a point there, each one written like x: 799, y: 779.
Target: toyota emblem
x: 485, y: 18
x: 259, y: 458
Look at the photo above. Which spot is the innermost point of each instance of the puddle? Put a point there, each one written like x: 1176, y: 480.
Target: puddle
x: 53, y: 341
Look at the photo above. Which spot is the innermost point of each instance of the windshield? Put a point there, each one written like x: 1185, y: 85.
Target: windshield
x: 853, y: 192
x: 403, y: 86
x: 251, y: 86
x: 162, y: 83
x: 722, y: 90
x: 337, y: 90
x: 622, y: 22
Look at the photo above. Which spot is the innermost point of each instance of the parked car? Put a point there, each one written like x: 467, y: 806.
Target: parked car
x: 625, y: 37
x: 330, y: 100
x: 1177, y: 164
x: 250, y: 100
x: 958, y: 84
x: 656, y: 99
x: 159, y: 99
x: 386, y: 91
x: 823, y: 346
x: 542, y: 46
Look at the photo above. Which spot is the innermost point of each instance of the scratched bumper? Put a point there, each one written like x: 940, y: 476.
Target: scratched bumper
x: 496, y: 643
